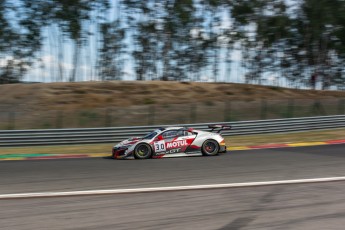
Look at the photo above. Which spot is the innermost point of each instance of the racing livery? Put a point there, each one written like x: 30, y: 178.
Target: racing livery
x: 172, y: 142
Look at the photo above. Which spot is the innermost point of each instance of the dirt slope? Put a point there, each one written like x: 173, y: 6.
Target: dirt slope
x: 45, y: 96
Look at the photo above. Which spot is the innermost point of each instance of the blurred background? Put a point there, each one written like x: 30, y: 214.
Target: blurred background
x: 142, y: 115
x: 280, y: 43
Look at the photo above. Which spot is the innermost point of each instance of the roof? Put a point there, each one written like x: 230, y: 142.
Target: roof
x: 174, y: 127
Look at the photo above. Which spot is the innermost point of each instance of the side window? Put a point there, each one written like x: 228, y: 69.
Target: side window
x: 169, y: 134
x: 181, y: 133
x: 176, y: 133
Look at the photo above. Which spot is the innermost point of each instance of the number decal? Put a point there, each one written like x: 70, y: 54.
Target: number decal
x: 159, y: 146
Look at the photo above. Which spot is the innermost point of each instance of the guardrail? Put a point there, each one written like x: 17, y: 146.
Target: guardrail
x: 115, y: 134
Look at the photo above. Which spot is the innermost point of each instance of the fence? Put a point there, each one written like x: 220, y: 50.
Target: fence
x: 170, y: 114
x: 115, y: 134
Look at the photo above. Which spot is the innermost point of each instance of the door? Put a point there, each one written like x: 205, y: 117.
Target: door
x: 177, y: 141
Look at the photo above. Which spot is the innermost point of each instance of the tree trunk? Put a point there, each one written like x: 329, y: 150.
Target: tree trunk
x: 75, y: 61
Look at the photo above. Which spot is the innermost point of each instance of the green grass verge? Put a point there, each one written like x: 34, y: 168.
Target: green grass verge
x: 234, y: 141
x: 285, y: 138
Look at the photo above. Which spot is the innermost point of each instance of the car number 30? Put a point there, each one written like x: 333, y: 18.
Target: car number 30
x: 159, y: 146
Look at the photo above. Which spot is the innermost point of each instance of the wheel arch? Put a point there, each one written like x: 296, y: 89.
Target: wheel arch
x: 143, y: 143
x: 210, y: 139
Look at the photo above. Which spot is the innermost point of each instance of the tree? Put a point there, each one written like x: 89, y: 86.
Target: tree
x: 167, y: 39
x: 69, y: 15
x: 297, y: 44
x: 111, y: 52
x: 19, y: 42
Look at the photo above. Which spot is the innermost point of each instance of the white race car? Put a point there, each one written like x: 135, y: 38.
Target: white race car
x: 173, y: 142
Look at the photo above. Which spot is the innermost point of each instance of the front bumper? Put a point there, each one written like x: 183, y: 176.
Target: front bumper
x: 121, y: 153
x: 118, y: 153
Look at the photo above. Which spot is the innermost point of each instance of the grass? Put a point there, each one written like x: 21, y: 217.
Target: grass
x: 233, y: 141
x: 61, y: 105
x: 285, y: 138
x: 56, y: 96
x: 59, y: 149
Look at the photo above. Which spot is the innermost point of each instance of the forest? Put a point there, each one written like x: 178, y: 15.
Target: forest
x: 293, y: 43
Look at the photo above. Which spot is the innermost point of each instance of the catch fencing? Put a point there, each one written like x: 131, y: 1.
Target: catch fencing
x: 17, y: 117
x: 115, y: 134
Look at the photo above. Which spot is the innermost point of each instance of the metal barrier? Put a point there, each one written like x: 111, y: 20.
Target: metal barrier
x: 115, y: 134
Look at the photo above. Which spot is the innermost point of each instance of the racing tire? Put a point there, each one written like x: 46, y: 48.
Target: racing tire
x: 210, y: 148
x: 142, y: 151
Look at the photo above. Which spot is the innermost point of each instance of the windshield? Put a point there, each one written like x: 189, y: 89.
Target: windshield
x: 150, y: 135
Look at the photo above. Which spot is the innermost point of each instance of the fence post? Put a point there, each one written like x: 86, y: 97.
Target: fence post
x: 290, y: 112
x: 227, y: 111
x: 192, y: 113
x: 107, y: 118
x: 59, y: 119
x: 11, y: 120
x: 317, y: 108
x: 151, y: 115
x: 341, y: 106
x: 263, y: 109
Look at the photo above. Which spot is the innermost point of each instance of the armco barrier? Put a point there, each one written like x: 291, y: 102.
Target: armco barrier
x: 112, y: 135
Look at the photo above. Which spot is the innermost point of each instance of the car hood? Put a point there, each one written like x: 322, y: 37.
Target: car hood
x: 128, y: 142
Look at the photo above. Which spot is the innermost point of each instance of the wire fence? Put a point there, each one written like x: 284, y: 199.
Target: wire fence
x: 30, y: 137
x: 171, y: 114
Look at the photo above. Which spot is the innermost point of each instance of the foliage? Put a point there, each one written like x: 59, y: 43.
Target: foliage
x: 177, y: 39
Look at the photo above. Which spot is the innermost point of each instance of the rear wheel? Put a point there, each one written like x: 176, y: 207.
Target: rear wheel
x: 210, y: 148
x: 142, y: 151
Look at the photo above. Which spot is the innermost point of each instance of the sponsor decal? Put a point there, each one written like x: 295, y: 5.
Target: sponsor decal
x: 171, y: 151
x: 159, y: 146
x: 176, y: 144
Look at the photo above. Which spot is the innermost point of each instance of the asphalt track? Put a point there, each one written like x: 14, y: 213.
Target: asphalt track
x: 303, y: 206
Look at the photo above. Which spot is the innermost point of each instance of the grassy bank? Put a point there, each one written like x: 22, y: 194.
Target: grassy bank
x: 120, y: 103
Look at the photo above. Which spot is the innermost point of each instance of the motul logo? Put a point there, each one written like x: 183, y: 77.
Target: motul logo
x: 176, y: 144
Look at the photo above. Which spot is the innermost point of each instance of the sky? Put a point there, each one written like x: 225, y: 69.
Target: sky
x: 47, y: 70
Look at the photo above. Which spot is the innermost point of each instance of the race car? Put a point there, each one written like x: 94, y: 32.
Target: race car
x: 173, y: 142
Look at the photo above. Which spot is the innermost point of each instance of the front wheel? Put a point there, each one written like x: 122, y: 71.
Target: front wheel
x: 142, y: 151
x: 210, y: 148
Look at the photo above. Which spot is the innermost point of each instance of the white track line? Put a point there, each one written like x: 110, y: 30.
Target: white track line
x: 164, y: 189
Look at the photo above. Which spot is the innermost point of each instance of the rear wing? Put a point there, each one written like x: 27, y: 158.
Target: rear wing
x: 219, y: 128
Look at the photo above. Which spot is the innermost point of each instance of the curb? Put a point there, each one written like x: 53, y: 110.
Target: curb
x: 298, y: 144
x: 46, y: 156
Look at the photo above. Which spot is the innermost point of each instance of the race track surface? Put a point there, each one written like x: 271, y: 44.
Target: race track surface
x: 237, y: 166
x: 297, y: 207
x: 303, y: 206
